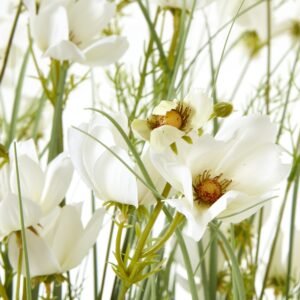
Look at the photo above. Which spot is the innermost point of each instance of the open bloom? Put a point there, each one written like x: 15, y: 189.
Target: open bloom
x: 41, y: 190
x: 69, y: 30
x: 103, y: 172
x: 58, y: 243
x: 228, y: 177
x: 171, y: 120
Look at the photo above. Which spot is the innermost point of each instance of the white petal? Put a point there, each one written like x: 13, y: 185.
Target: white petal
x: 50, y: 27
x: 105, y: 51
x: 174, y: 172
x: 65, y: 50
x: 76, y: 144
x: 30, y: 5
x: 202, y: 108
x: 243, y: 135
x: 31, y: 178
x: 88, y: 17
x: 85, y: 241
x: 41, y: 259
x: 10, y: 214
x: 259, y: 171
x: 58, y: 178
x: 163, y: 107
x: 114, y: 181
x: 24, y: 148
x: 145, y: 195
x: 141, y: 128
x: 68, y: 228
x: 164, y: 136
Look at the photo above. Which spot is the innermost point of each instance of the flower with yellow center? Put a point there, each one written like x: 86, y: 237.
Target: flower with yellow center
x: 227, y: 177
x: 171, y: 120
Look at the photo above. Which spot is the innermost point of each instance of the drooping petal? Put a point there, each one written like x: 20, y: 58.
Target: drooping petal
x: 50, y: 26
x: 41, y: 258
x: 87, y: 18
x: 10, y: 214
x: 65, y: 50
x: 105, y: 51
x: 114, y: 182
x: 162, y: 137
x: 141, y: 128
x: 85, y: 241
x: 58, y: 178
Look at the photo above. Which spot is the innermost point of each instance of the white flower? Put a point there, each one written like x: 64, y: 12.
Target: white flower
x: 171, y: 120
x: 108, y: 177
x: 58, y: 243
x: 41, y: 190
x: 228, y: 177
x: 69, y: 30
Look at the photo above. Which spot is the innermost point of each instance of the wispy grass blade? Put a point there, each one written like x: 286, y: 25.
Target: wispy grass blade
x: 23, y: 233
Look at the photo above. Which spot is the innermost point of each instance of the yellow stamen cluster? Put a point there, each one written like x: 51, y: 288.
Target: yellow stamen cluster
x: 207, y: 189
x: 177, y: 118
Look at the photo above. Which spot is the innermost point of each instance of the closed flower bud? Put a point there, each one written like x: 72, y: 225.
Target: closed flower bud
x: 223, y: 109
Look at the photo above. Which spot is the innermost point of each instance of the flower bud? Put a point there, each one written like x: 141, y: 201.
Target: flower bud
x: 223, y: 109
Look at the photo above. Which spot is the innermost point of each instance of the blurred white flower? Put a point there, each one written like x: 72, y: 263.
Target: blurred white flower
x: 70, y: 30
x: 171, y: 120
x: 228, y: 177
x: 108, y: 177
x: 41, y: 190
x: 59, y: 243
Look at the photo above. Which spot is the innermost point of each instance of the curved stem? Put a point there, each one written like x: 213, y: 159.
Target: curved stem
x: 174, y: 225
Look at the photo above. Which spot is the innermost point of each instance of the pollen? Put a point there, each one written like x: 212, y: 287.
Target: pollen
x: 208, y: 189
x: 177, y: 118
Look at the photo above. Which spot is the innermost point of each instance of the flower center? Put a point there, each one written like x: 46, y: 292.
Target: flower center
x: 177, y: 118
x: 209, y: 189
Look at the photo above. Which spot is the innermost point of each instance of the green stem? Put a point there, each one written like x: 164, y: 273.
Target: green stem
x: 17, y: 100
x: 141, y: 243
x: 20, y: 259
x: 56, y: 140
x: 123, y: 291
x: 292, y: 234
x: 273, y: 247
x: 23, y: 228
x: 175, y: 223
x: 10, y: 40
x: 269, y: 34
x: 106, y: 261
x: 186, y: 258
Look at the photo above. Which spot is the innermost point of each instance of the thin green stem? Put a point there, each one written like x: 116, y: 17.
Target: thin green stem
x: 56, y: 140
x: 24, y: 243
x: 162, y: 240
x: 269, y: 37
x: 106, y: 260
x: 10, y: 40
x: 292, y: 233
x: 19, y: 272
